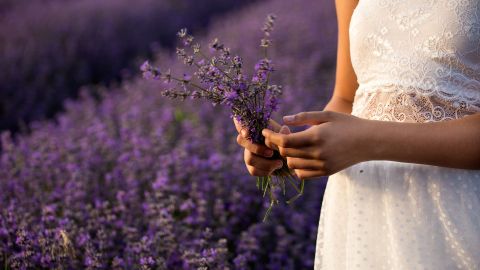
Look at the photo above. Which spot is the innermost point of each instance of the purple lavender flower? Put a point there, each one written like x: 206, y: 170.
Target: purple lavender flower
x: 105, y: 184
x: 46, y: 56
x: 150, y: 72
x: 221, y: 80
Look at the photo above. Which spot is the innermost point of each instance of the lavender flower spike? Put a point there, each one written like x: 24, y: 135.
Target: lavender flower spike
x: 150, y: 72
x: 220, y: 79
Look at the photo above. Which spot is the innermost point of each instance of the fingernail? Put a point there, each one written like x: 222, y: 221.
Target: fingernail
x: 244, y: 133
x: 268, y: 153
x: 279, y: 165
x: 288, y: 118
x: 284, y: 130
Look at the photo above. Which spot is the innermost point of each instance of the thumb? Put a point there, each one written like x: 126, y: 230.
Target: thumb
x: 284, y: 130
x: 308, y: 118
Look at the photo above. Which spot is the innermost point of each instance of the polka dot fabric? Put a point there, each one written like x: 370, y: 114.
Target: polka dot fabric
x: 393, y: 215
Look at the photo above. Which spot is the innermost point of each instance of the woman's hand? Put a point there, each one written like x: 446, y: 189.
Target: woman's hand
x: 257, y: 156
x: 334, y: 142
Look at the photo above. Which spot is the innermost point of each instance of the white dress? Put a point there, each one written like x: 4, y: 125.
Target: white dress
x: 416, y: 61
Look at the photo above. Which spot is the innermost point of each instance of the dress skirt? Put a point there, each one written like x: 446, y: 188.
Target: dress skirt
x: 393, y: 215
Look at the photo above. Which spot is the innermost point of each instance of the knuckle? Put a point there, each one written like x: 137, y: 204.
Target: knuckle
x: 290, y: 163
x: 250, y: 162
x: 272, y: 170
x: 324, y: 166
x: 328, y: 114
x: 323, y: 172
x: 268, y: 146
x: 319, y: 165
x: 239, y: 139
x: 284, y: 142
x: 257, y: 149
x: 251, y: 170
x: 317, y: 137
x: 270, y: 166
x: 257, y: 172
x: 317, y: 154
x: 244, y: 133
x: 299, y: 174
x: 267, y: 142
x: 249, y: 159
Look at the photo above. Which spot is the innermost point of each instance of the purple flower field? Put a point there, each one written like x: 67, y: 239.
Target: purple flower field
x: 49, y: 48
x: 127, y: 179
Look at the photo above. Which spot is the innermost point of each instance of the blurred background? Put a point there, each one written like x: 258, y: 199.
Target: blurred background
x: 50, y: 48
x: 99, y: 171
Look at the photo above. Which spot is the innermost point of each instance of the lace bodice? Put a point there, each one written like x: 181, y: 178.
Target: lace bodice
x: 416, y: 60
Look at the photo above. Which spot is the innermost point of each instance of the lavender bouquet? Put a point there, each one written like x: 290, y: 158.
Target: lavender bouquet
x: 220, y: 78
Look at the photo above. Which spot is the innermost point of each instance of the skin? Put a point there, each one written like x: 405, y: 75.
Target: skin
x: 336, y: 140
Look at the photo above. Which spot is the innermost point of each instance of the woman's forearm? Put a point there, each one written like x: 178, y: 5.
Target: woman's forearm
x: 454, y: 143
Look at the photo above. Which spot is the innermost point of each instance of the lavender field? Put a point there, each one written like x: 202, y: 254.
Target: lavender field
x: 50, y: 48
x: 126, y: 179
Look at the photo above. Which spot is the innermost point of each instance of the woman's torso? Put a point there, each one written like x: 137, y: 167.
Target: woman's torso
x: 416, y: 60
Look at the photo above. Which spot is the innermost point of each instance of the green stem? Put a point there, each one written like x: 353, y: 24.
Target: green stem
x: 283, y: 184
x: 293, y: 184
x: 267, y: 182
x: 267, y: 213
x: 5, y: 267
x: 294, y: 198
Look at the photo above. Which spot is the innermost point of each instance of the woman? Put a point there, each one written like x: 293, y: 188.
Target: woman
x: 400, y: 138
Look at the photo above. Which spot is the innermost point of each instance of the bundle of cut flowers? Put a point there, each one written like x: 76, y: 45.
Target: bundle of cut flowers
x: 219, y: 77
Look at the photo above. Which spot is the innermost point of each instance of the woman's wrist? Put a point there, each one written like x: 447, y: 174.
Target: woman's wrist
x: 380, y: 136
x: 368, y: 140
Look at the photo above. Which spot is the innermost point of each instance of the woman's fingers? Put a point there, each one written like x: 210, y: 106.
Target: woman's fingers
x: 240, y: 129
x: 307, y: 174
x: 257, y: 149
x: 257, y: 172
x: 298, y: 139
x: 273, y: 125
x: 305, y: 164
x: 259, y: 165
x: 260, y: 162
x: 305, y: 152
x: 308, y: 118
x: 238, y: 126
x: 255, y: 155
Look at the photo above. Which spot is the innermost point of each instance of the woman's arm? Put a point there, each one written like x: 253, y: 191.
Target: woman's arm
x: 454, y: 143
x: 336, y: 141
x: 345, y: 79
